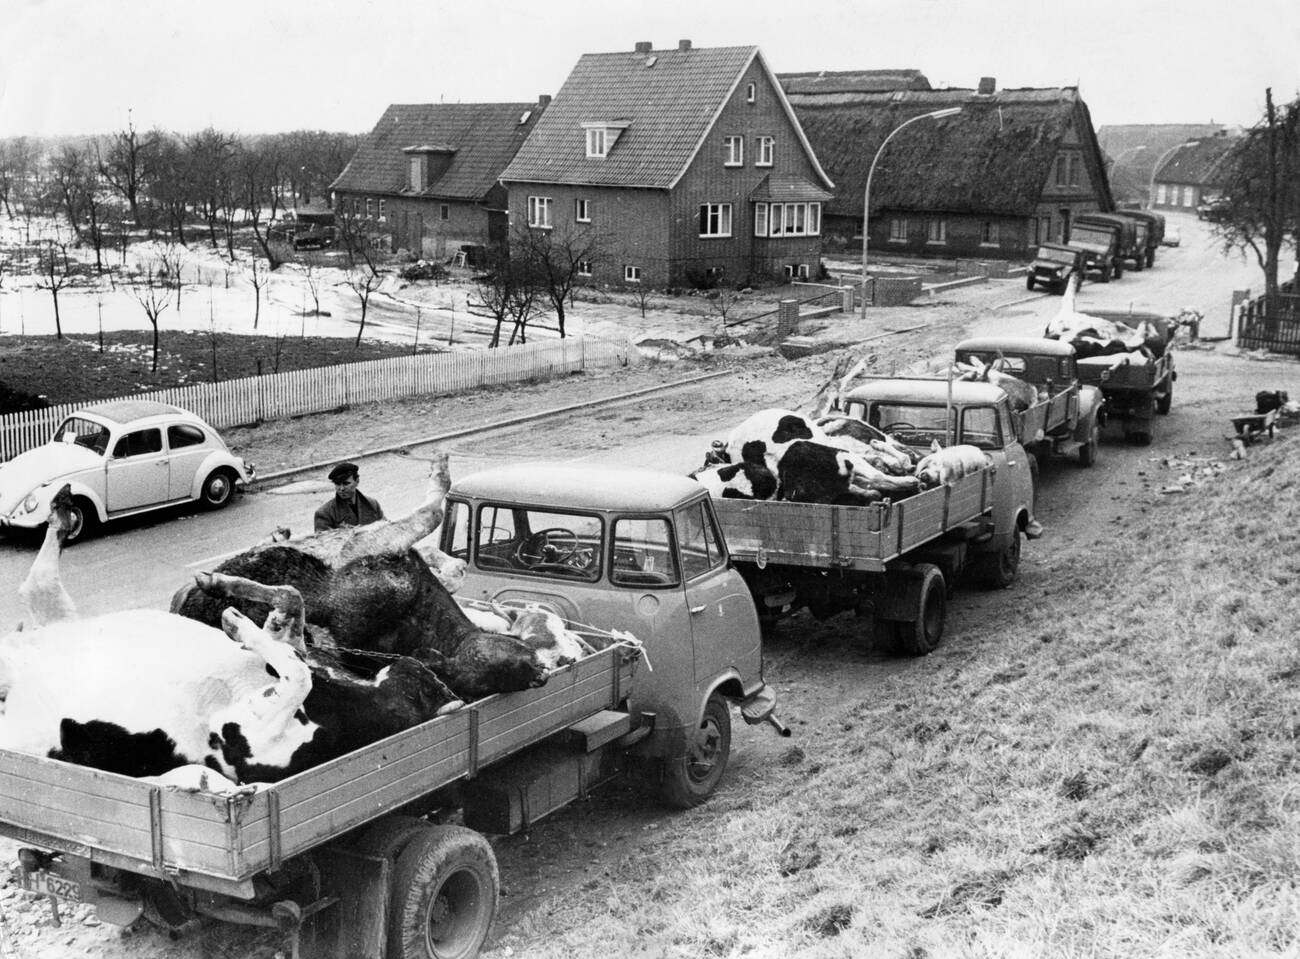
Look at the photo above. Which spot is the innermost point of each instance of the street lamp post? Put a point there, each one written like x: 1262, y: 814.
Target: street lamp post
x: 866, y: 193
x: 1114, y: 164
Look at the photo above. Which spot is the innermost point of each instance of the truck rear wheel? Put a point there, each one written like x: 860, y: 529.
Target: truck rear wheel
x: 445, y: 891
x: 693, y: 778
x: 923, y: 634
x: 1029, y: 282
x: 998, y: 570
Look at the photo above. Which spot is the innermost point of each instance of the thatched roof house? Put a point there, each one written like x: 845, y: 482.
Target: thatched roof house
x: 1133, y: 150
x: 854, y: 81
x: 1010, y: 170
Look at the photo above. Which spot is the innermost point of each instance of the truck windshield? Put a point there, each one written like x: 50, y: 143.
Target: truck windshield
x: 1090, y: 235
x: 1065, y: 257
x: 537, y: 542
x: 919, y: 425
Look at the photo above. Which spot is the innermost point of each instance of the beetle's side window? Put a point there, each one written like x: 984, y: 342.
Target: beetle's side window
x: 698, y: 540
x: 182, y: 435
x: 643, y: 554
x: 138, y: 443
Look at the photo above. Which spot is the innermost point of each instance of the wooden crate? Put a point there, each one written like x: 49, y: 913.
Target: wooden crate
x: 220, y: 843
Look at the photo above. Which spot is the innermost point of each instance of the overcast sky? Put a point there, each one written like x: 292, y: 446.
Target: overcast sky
x: 254, y: 66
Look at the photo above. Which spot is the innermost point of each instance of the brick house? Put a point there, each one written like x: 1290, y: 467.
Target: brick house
x: 687, y: 166
x: 1193, y: 173
x: 427, y: 176
x: 1010, y: 171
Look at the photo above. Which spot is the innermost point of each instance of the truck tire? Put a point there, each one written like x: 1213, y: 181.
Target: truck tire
x: 1088, y: 451
x: 693, y: 778
x: 1151, y: 258
x: 1163, y: 403
x: 998, y: 570
x: 1138, y: 262
x: 1105, y: 273
x: 1029, y: 282
x: 444, y: 895
x: 923, y: 634
x: 1119, y: 270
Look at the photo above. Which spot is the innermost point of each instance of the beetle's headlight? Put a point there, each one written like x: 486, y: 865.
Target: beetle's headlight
x: 30, y: 503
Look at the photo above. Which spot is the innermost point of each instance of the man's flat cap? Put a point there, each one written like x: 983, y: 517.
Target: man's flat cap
x: 341, y: 472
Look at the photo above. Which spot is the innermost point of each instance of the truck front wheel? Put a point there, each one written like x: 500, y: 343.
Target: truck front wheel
x: 923, y: 634
x: 1088, y: 451
x: 1029, y: 282
x: 693, y: 778
x: 998, y: 570
x: 445, y: 891
x: 1163, y: 403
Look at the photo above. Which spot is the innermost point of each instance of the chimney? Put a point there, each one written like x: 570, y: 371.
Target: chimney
x: 987, y: 86
x: 544, y: 100
x: 643, y: 46
x: 683, y: 45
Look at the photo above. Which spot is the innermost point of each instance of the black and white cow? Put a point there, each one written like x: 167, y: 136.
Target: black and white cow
x: 749, y: 479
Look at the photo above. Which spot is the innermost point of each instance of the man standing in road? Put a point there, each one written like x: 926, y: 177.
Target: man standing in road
x: 349, y: 506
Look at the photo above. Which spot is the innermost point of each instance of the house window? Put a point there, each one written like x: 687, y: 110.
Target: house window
x: 539, y: 212
x: 383, y: 214
x: 751, y: 93
x: 988, y: 233
x: 936, y: 231
x: 735, y: 151
x: 370, y: 208
x: 1075, y: 164
x: 1189, y: 196
x: 787, y: 219
x: 766, y: 147
x: 597, y: 142
x: 582, y: 211
x: 897, y: 230
x: 803, y: 271
x: 584, y: 268
x: 632, y: 274
x: 415, y: 173
x: 715, y: 219
x: 1062, y: 175
x: 714, y: 273
x: 1162, y: 193
x: 444, y: 212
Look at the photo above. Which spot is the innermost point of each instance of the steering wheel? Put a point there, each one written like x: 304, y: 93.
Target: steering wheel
x: 898, y: 427
x: 550, y: 546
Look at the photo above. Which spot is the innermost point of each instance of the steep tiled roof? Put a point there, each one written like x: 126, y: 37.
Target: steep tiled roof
x: 853, y: 81
x: 993, y: 158
x: 484, y: 136
x: 668, y: 98
x: 1198, y: 163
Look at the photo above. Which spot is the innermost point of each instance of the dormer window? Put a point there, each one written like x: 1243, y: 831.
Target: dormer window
x: 602, y: 135
x: 425, y: 163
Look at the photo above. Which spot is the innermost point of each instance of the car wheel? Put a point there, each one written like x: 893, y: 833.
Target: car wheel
x: 84, y: 521
x: 1119, y: 270
x: 691, y: 779
x: 1164, y: 403
x: 218, y: 488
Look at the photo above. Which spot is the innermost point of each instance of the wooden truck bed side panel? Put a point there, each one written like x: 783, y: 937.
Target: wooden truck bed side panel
x: 849, y: 537
x: 138, y: 825
x: 1125, y: 376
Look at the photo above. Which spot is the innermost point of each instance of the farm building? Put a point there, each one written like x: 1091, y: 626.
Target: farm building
x: 1192, y: 174
x: 1134, y: 149
x: 427, y: 176
x: 854, y: 81
x: 1008, y: 172
x: 682, y: 166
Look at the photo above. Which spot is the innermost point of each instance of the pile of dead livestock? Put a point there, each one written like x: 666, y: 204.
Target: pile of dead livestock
x: 358, y: 639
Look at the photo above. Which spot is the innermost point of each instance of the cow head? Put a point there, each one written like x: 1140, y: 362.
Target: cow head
x: 486, y: 663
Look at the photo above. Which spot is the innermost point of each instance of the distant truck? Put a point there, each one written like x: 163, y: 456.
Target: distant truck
x: 1131, y: 236
x: 1053, y: 264
x: 1102, y: 244
x: 305, y: 231
x: 1135, y: 387
x: 1068, y: 416
x: 1155, y: 230
x: 894, y: 563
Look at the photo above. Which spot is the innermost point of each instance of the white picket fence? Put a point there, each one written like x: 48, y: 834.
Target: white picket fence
x: 280, y: 395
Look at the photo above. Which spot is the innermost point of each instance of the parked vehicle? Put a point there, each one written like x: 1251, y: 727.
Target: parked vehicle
x: 304, y: 230
x: 338, y: 857
x: 895, y: 562
x: 1131, y: 236
x: 1101, y: 243
x: 1053, y: 264
x: 1173, y: 236
x: 1134, y: 391
x: 121, y: 458
x: 1155, y: 230
x: 1213, y: 209
x: 1068, y: 416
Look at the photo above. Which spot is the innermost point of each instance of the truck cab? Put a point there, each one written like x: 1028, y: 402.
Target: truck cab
x: 1101, y: 243
x: 1154, y: 235
x: 919, y: 412
x: 1129, y: 244
x: 633, y: 550
x: 1053, y: 264
x: 1068, y: 416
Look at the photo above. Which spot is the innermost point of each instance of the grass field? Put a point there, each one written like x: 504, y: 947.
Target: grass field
x: 1112, y: 774
x: 75, y: 369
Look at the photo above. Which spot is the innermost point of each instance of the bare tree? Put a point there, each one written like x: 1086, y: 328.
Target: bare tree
x: 172, y: 259
x: 257, y: 279
x: 124, y: 164
x: 211, y: 157
x: 641, y: 295
x: 722, y: 302
x: 558, y: 261
x: 68, y: 183
x: 363, y: 281
x: 1262, y: 191
x: 509, y: 290
x: 55, y: 275
x: 311, y: 267
x: 154, y: 297
x: 257, y: 179
x: 17, y: 157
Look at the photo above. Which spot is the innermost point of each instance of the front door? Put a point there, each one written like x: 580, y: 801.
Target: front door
x: 187, y: 448
x: 139, y: 472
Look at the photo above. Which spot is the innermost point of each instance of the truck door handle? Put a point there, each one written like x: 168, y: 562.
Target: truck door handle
x: 697, y: 609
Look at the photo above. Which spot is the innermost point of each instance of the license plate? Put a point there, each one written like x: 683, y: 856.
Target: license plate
x: 47, y: 884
